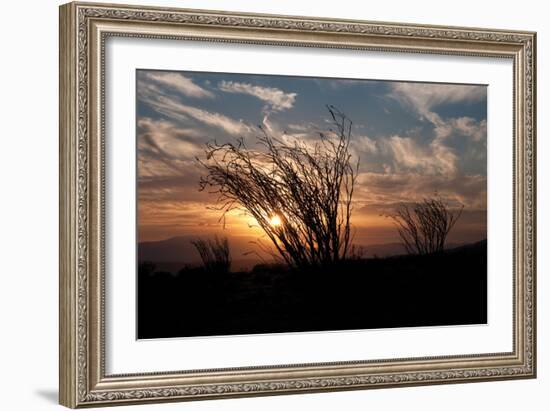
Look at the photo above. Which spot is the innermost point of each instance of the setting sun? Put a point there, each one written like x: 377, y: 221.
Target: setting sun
x: 275, y: 221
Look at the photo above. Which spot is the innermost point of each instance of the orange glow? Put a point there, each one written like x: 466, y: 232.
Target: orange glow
x: 275, y: 221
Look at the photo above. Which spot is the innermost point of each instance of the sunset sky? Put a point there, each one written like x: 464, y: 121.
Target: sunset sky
x: 412, y: 139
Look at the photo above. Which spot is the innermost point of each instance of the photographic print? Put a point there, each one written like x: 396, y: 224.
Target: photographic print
x: 271, y: 204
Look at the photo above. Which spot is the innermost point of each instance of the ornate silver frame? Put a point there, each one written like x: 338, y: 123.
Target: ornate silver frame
x: 84, y: 27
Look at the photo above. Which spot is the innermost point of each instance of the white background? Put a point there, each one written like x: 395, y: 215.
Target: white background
x: 28, y: 217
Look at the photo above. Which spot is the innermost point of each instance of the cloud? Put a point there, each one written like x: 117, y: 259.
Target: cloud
x: 462, y: 126
x: 470, y: 127
x: 180, y: 83
x: 423, y: 97
x: 275, y: 99
x: 169, y: 139
x: 176, y: 110
x: 299, y: 127
x: 397, y: 154
x: 408, y: 155
x: 225, y: 123
x: 166, y: 151
x: 437, y: 157
x: 364, y: 145
x: 382, y: 191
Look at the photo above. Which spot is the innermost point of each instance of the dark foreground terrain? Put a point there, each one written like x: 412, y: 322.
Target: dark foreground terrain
x: 404, y: 291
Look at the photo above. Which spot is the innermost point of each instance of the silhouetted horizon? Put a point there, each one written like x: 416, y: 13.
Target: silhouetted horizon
x: 170, y: 256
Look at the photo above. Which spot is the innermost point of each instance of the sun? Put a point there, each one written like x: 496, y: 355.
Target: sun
x: 275, y: 221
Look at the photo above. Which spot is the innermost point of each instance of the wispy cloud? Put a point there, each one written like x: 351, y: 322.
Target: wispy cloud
x: 173, y: 141
x: 381, y: 192
x: 408, y: 155
x: 178, y: 82
x: 423, y: 97
x: 229, y: 125
x: 176, y: 110
x: 437, y: 157
x: 275, y: 99
x: 364, y: 145
x: 166, y: 150
x: 468, y: 126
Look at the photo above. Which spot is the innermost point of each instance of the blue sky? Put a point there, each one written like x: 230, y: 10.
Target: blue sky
x: 411, y: 139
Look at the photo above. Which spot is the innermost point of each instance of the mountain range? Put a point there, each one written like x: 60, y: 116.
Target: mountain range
x: 173, y: 253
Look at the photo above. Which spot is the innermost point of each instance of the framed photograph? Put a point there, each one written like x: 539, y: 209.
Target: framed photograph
x: 259, y: 204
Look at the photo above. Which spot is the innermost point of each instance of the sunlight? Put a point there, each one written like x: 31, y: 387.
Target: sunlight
x: 275, y: 221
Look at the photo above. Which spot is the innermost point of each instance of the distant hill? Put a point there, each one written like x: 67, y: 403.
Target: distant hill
x: 180, y: 250
x: 175, y: 249
x: 466, y: 247
x: 174, y: 253
x: 391, y: 249
x: 382, y: 250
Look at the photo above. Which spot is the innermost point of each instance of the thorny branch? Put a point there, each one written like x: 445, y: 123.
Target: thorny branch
x: 424, y: 226
x: 309, y: 187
